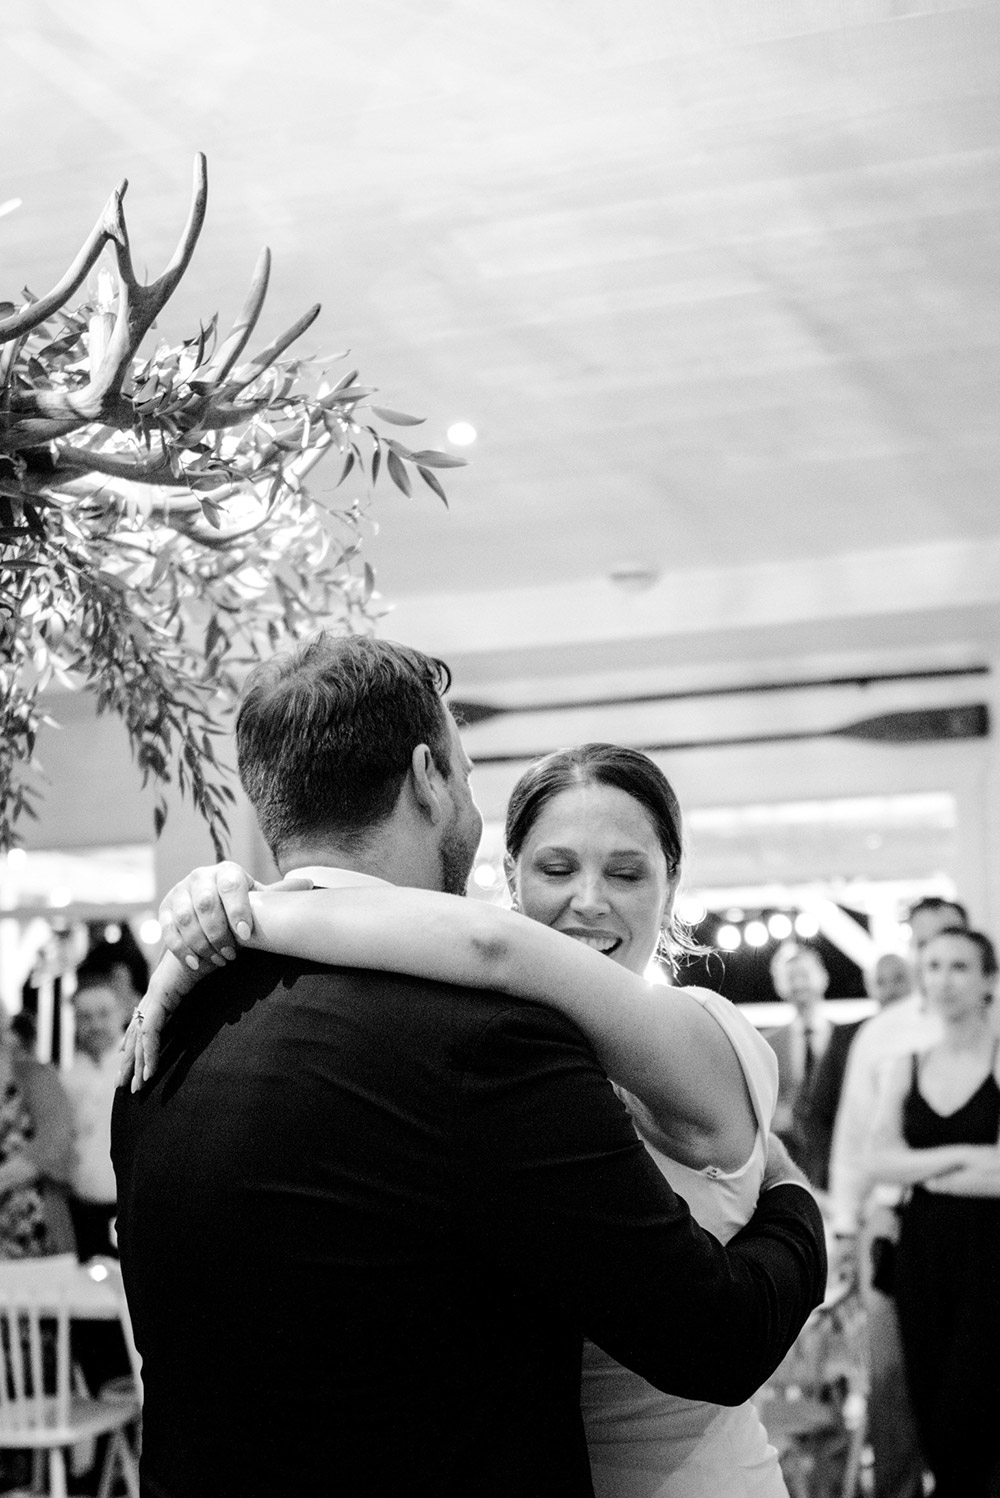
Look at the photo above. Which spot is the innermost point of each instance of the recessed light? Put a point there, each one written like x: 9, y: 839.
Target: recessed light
x: 461, y: 433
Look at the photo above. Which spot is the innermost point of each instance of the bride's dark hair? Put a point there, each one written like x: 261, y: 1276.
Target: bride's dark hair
x: 627, y: 770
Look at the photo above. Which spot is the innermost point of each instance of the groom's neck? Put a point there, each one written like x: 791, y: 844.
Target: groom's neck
x: 384, y: 855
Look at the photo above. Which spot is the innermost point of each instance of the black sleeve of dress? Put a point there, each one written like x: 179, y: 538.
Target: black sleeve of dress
x: 560, y: 1192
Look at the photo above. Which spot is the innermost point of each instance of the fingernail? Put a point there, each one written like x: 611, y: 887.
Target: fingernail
x: 229, y: 953
x: 193, y: 963
x: 243, y: 931
x: 218, y: 961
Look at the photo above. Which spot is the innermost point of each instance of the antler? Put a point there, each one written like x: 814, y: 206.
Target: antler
x: 204, y: 429
x: 40, y: 416
x: 174, y: 420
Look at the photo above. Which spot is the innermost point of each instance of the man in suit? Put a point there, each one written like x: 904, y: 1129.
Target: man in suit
x: 817, y: 1104
x: 800, y: 979
x: 365, y: 1219
x: 812, y: 1054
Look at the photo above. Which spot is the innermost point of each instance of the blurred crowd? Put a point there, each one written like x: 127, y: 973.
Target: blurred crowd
x: 896, y: 1122
x: 57, y: 1186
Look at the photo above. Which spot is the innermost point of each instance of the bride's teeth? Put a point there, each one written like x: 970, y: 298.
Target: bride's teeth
x: 598, y: 943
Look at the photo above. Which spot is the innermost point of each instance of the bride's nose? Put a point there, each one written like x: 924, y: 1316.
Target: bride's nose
x: 589, y: 895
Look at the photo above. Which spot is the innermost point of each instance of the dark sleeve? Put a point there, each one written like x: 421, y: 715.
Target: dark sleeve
x: 561, y: 1193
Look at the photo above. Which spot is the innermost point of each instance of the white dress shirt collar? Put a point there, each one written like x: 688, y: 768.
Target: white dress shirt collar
x: 326, y: 876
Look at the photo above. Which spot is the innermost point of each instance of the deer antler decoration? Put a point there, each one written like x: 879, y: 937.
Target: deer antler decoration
x: 153, y: 513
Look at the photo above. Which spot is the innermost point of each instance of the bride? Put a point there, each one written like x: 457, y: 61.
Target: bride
x: 594, y: 853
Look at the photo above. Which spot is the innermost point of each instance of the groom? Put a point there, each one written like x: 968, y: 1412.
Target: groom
x: 365, y: 1220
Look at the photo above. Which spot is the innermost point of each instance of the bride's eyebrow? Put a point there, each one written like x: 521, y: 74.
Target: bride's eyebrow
x: 567, y: 851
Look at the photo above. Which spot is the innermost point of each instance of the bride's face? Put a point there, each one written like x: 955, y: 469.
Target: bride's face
x: 592, y: 867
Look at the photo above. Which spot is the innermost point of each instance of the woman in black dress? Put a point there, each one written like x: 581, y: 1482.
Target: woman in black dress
x: 940, y: 1115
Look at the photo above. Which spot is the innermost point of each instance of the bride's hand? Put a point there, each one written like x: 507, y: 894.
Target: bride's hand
x: 140, y: 1047
x: 204, y: 916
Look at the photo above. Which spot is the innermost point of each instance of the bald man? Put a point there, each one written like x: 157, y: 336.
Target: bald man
x: 890, y: 979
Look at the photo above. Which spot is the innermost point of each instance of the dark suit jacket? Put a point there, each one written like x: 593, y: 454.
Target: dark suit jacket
x: 820, y: 1103
x: 810, y: 1110
x: 364, y: 1221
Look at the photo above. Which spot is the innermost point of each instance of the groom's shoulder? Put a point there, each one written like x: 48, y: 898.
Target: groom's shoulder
x: 269, y: 1006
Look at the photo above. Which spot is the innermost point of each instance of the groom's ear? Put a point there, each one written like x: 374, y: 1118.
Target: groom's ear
x: 425, y: 778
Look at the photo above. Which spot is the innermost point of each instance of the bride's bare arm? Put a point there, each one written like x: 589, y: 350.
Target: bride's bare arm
x: 657, y: 1042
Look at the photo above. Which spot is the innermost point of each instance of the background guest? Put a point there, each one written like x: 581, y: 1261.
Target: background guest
x: 48, y: 1148
x: 940, y: 1111
x: 90, y: 1085
x: 22, y: 1211
x: 860, y: 1215
x: 126, y: 968
x: 817, y: 1103
x: 800, y: 978
x: 890, y: 979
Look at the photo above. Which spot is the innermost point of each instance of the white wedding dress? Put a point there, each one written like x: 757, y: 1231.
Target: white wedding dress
x: 644, y: 1444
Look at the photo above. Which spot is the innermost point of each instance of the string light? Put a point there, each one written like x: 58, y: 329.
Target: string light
x: 755, y: 934
x: 779, y: 925
x: 728, y: 938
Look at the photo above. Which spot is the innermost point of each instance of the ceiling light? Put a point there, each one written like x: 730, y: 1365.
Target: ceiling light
x: 150, y: 932
x: 461, y: 433
x: 485, y: 875
x: 779, y: 925
x: 728, y: 938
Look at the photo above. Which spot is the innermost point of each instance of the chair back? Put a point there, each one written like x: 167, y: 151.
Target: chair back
x: 35, y: 1296
x: 113, y: 1276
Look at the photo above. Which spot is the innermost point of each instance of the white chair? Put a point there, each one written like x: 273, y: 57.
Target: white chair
x: 39, y: 1410
x: 109, y: 1272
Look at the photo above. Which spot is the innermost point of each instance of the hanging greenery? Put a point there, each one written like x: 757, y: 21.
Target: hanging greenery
x: 157, y: 534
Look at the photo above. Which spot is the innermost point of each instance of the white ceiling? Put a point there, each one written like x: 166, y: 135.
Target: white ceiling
x: 717, y: 283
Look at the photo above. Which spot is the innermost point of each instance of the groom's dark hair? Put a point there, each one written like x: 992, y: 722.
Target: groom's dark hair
x: 325, y: 735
